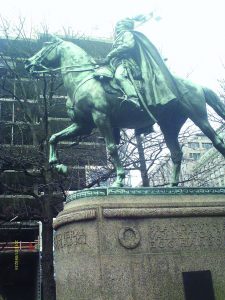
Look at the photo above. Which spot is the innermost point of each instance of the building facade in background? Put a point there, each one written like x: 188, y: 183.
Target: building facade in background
x: 17, y: 138
x: 202, y: 165
x: 209, y: 169
x: 23, y: 161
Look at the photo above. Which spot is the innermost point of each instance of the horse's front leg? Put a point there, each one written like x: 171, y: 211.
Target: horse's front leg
x: 57, y: 137
x: 103, y: 123
x: 67, y: 133
x: 113, y: 152
x: 52, y: 151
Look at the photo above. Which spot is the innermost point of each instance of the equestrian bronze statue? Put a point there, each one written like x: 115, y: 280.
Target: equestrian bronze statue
x: 134, y: 89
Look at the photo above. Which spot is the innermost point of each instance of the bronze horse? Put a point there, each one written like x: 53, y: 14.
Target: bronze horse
x: 89, y: 106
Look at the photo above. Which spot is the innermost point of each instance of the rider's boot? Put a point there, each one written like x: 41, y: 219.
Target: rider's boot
x: 127, y: 86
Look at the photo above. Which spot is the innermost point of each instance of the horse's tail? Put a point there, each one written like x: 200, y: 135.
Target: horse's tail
x: 214, y: 101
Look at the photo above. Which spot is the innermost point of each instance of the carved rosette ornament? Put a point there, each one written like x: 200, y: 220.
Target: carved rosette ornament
x: 129, y: 237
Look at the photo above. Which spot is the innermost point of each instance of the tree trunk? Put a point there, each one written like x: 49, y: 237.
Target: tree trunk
x: 48, y: 281
x: 143, y: 167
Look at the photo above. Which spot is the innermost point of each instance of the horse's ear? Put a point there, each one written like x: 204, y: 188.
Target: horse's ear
x: 54, y: 39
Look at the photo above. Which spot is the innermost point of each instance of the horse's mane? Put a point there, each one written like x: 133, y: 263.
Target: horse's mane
x: 76, y: 48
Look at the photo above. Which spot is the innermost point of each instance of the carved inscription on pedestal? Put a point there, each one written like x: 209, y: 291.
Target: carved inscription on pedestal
x: 70, y: 238
x: 185, y: 235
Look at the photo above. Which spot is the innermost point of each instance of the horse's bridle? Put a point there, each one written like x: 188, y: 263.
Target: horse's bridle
x: 64, y: 70
x: 42, y: 56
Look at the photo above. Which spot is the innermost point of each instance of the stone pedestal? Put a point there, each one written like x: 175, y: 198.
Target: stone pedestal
x: 156, y: 244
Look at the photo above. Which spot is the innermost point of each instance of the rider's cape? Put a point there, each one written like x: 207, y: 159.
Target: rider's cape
x: 159, y: 85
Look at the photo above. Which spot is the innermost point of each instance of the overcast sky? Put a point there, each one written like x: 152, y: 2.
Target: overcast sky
x: 190, y: 33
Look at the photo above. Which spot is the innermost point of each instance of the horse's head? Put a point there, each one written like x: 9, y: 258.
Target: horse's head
x: 46, y: 58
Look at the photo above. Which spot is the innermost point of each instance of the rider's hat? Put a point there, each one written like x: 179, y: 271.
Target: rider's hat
x: 127, y: 24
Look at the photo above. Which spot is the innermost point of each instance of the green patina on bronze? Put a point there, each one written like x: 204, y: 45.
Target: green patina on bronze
x: 99, y: 192
x: 137, y: 67
x: 133, y: 51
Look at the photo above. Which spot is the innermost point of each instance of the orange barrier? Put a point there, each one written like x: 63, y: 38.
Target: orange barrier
x: 19, y: 245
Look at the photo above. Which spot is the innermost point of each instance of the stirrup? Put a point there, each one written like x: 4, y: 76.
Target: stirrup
x: 124, y: 97
x: 133, y: 100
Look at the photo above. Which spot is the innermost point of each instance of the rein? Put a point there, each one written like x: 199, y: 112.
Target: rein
x: 64, y: 70
x: 68, y: 69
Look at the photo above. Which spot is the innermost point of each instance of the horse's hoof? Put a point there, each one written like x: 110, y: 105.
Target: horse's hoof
x: 117, y: 184
x: 52, y: 139
x: 53, y: 161
x: 61, y: 169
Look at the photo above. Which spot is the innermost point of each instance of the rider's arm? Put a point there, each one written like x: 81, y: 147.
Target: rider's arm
x: 127, y: 43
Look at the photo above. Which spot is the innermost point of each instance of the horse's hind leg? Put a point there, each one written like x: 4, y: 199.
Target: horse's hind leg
x: 103, y: 124
x: 170, y: 133
x: 198, y: 114
x: 214, y: 101
x: 207, y: 129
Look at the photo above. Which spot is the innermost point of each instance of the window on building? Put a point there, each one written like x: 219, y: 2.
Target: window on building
x: 11, y: 111
x: 14, y: 130
x: 194, y: 156
x: 207, y: 145
x: 193, y: 145
x: 16, y: 134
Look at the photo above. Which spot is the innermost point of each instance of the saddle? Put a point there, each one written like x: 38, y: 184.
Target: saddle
x: 106, y: 76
